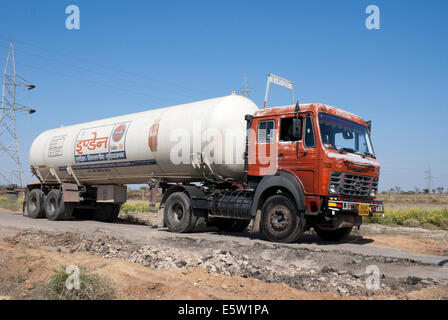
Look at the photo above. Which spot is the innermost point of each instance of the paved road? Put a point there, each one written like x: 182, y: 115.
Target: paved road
x: 145, y: 235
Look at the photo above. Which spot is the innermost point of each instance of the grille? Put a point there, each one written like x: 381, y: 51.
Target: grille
x: 353, y: 184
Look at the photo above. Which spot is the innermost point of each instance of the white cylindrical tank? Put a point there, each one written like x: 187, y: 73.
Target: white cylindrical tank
x: 167, y: 143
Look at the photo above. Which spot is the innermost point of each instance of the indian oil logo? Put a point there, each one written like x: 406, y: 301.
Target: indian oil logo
x: 118, y: 133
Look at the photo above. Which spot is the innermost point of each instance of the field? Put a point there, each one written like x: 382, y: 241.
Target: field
x: 417, y: 210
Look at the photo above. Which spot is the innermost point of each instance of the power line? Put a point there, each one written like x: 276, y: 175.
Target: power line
x: 106, y: 67
x: 89, y: 81
x: 109, y: 76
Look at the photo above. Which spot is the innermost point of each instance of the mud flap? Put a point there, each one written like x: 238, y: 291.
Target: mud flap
x: 256, y: 224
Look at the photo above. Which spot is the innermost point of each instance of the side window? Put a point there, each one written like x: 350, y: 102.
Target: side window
x: 288, y: 131
x: 309, y: 133
x: 266, y: 131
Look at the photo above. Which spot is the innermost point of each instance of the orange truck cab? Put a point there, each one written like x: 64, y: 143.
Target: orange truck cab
x: 328, y: 154
x: 305, y: 166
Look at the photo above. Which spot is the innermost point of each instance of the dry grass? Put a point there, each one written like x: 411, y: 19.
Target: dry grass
x: 11, y: 205
x: 91, y: 287
x: 427, y: 218
x: 138, y: 206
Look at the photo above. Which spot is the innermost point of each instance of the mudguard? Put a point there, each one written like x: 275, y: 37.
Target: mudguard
x: 282, y: 179
x: 197, y: 196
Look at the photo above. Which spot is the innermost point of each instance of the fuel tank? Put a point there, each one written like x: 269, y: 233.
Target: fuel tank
x: 173, y: 144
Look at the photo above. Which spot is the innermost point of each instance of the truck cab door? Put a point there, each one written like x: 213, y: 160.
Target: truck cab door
x: 308, y: 156
x: 264, y: 160
x: 288, y: 141
x: 297, y: 151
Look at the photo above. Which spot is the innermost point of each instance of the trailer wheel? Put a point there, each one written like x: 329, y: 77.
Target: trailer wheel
x: 107, y: 212
x: 232, y: 225
x: 280, y: 221
x: 178, y: 213
x: 35, y: 204
x: 55, y: 208
x: 333, y: 235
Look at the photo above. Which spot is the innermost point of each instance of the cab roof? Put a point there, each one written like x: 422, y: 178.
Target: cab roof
x: 310, y: 107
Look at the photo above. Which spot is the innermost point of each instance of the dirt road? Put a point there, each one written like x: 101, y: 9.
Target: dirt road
x: 310, y: 269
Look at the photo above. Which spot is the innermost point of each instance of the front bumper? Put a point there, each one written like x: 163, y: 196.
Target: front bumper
x: 363, y: 207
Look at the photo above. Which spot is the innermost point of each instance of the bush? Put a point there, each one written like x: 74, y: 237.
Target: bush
x: 92, y: 287
x: 411, y: 222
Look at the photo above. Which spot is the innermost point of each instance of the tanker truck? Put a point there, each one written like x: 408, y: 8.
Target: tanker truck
x: 219, y: 162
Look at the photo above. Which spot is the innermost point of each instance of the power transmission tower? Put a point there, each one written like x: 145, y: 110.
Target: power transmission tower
x: 428, y: 178
x: 9, y: 143
x: 245, y: 90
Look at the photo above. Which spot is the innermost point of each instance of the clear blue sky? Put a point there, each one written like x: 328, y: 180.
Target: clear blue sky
x: 130, y: 56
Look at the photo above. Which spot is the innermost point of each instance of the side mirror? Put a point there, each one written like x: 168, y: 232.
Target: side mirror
x: 296, y: 129
x: 369, y: 125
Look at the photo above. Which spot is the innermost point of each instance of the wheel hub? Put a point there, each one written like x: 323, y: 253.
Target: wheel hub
x: 178, y: 211
x: 279, y: 218
x: 52, y: 206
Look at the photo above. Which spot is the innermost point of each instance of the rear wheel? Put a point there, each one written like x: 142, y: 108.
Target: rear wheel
x: 107, y: 212
x: 35, y: 204
x: 333, y: 235
x: 232, y: 225
x: 178, y: 213
x: 55, y: 208
x: 280, y: 219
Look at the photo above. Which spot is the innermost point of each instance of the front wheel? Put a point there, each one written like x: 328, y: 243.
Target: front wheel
x: 280, y: 219
x: 333, y: 235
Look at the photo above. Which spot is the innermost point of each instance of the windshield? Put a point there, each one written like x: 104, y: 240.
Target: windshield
x: 343, y: 135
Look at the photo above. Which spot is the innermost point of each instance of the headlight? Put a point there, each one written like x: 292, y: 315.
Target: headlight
x: 372, y: 193
x: 332, y: 189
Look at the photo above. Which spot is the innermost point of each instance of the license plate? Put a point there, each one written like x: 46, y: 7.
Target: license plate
x: 363, y: 210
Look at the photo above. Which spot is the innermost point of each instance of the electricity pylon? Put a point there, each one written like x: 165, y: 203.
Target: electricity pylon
x: 9, y: 142
x: 245, y: 90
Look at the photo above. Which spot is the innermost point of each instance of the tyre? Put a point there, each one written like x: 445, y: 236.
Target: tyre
x: 178, y: 213
x: 332, y: 235
x: 107, y: 212
x: 35, y: 204
x: 55, y: 208
x: 232, y: 225
x: 280, y: 219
